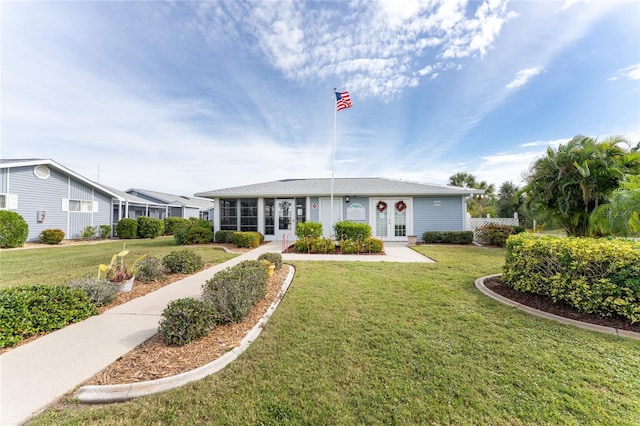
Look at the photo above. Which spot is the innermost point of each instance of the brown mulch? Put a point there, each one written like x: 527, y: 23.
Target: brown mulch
x: 544, y: 303
x: 153, y: 359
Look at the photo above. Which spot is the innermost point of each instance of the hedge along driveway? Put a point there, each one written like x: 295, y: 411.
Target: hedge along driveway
x: 385, y: 343
x: 58, y: 265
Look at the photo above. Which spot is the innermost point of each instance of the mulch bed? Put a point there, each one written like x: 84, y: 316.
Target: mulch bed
x: 153, y: 359
x: 544, y: 303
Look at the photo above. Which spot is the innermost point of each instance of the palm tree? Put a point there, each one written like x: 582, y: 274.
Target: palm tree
x: 573, y: 181
x: 463, y: 180
x: 622, y: 214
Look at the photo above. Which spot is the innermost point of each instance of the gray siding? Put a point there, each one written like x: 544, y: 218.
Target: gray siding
x: 191, y: 212
x: 427, y: 216
x: 36, y: 195
x: 3, y: 181
x: 314, y: 214
x: 40, y: 194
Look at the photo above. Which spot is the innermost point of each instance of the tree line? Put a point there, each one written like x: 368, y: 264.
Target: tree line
x: 587, y: 187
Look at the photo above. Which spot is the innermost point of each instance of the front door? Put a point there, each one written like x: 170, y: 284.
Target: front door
x: 390, y: 222
x: 285, y: 210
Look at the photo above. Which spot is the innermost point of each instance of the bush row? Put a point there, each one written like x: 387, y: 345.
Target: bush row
x: 595, y: 276
x: 346, y: 246
x: 227, y: 297
x: 28, y: 310
x: 448, y: 237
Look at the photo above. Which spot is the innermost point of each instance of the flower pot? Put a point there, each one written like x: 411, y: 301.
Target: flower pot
x: 412, y: 239
x: 126, y: 286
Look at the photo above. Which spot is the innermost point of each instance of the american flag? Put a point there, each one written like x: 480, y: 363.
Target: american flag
x: 343, y: 101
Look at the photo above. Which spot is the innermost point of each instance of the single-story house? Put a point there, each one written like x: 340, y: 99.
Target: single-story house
x: 128, y: 205
x: 179, y: 205
x: 50, y: 196
x: 395, y: 209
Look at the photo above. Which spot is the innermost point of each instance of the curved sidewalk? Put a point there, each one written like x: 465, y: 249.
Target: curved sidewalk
x: 35, y: 374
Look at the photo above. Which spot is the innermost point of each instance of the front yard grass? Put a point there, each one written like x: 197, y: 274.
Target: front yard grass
x: 390, y: 343
x: 58, y: 265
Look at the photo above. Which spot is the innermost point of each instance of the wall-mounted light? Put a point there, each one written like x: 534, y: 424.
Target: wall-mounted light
x: 346, y: 198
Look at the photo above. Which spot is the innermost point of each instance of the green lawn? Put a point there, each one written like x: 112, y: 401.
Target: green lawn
x: 57, y: 265
x: 387, y: 343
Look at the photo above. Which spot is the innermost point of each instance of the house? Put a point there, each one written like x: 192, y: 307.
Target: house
x: 128, y: 205
x: 50, y: 196
x: 179, y: 205
x: 395, y: 209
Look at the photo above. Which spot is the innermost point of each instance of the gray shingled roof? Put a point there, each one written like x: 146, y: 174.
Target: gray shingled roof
x: 175, y: 199
x: 342, y: 187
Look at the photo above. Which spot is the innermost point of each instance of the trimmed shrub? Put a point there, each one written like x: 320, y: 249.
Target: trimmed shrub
x: 350, y: 246
x: 309, y: 229
x: 183, y: 262
x: 14, y: 230
x: 99, y: 291
x: 51, y: 236
x: 150, y: 227
x: 186, y: 320
x: 494, y: 234
x: 247, y: 239
x: 373, y: 245
x: 315, y: 245
x: 127, y: 228
x: 104, y: 231
x: 448, y: 237
x: 172, y: 224
x: 28, y: 310
x: 518, y: 229
x: 352, y: 230
x: 193, y: 234
x: 150, y: 269
x: 595, y: 276
x: 224, y: 236
x: 235, y: 290
x: 89, y: 232
x: 273, y: 258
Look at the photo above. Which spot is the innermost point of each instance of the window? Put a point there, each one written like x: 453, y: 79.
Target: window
x: 229, y: 215
x: 269, y: 216
x: 249, y: 214
x: 81, y: 206
x: 8, y: 201
x: 301, y: 210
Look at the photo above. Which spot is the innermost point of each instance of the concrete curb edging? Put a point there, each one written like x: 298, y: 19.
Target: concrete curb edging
x: 100, y: 394
x: 479, y: 284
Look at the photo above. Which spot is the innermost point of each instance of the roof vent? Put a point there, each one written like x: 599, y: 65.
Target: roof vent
x: 41, y: 171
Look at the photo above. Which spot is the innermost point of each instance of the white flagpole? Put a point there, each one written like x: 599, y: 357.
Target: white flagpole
x: 333, y: 162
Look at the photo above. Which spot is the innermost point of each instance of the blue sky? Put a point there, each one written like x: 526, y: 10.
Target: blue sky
x: 187, y: 97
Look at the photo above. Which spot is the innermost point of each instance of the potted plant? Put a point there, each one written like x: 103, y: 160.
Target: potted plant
x: 117, y: 271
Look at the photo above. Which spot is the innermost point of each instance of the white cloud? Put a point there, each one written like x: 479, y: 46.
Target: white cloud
x: 376, y: 47
x: 631, y: 72
x: 523, y: 77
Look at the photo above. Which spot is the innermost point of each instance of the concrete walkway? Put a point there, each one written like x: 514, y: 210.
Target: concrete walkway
x: 35, y: 374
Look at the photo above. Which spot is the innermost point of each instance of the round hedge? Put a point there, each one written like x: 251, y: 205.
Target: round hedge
x: 14, y: 230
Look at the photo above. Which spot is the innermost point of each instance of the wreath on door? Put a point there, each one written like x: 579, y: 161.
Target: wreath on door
x: 381, y: 206
x: 401, y: 206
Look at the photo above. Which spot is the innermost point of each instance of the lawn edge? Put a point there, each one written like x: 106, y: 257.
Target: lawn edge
x: 479, y: 284
x: 103, y: 394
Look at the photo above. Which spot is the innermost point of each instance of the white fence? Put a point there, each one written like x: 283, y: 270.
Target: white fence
x: 473, y: 223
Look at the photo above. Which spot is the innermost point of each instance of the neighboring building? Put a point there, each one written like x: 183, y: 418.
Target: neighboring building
x: 133, y: 207
x: 50, y: 196
x: 179, y: 205
x: 393, y: 208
